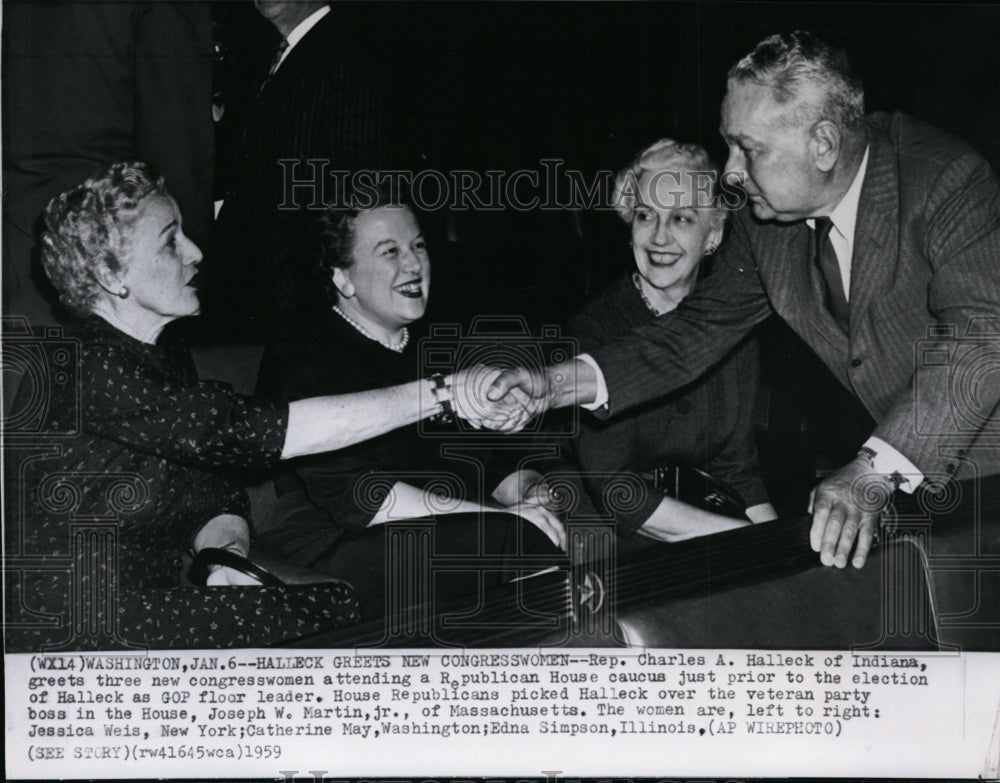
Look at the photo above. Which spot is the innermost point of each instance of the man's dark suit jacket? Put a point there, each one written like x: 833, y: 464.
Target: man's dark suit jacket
x: 925, y: 293
x: 324, y: 103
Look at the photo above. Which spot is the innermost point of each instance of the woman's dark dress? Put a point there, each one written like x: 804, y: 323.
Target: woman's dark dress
x: 327, y: 500
x: 707, y: 424
x: 158, y: 454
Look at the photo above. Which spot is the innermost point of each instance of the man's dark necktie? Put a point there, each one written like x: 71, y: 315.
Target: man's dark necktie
x: 274, y: 65
x: 826, y: 259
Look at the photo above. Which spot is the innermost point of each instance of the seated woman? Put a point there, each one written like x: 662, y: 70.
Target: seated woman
x: 706, y: 425
x: 374, y: 265
x: 157, y: 449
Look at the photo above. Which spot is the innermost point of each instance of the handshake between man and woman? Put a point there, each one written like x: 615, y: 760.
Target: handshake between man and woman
x: 507, y: 400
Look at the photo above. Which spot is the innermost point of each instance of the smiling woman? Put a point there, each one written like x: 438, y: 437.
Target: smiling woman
x: 667, y: 196
x: 382, y: 284
x: 375, y: 267
x: 159, y: 451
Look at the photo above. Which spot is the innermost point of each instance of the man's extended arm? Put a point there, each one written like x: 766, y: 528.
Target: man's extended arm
x: 678, y: 347
x: 673, y: 350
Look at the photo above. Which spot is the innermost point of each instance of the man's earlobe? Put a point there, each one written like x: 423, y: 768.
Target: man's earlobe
x: 825, y: 144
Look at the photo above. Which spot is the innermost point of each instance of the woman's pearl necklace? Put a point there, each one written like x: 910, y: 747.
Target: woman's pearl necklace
x: 397, y: 346
x: 637, y: 281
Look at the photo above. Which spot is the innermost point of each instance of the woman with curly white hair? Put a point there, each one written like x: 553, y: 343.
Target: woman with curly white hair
x: 667, y: 196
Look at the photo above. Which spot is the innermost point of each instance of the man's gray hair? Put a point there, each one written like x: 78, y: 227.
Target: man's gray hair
x: 797, y: 63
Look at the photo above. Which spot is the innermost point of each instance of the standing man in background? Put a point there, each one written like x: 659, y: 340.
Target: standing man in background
x: 318, y: 100
x: 87, y: 84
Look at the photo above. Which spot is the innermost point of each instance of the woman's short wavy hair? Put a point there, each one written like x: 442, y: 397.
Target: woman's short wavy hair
x: 668, y: 155
x: 332, y: 236
x: 90, y: 226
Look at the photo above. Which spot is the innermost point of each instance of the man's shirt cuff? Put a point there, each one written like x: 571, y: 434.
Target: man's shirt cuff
x: 888, y: 461
x: 601, y: 400
x: 762, y: 512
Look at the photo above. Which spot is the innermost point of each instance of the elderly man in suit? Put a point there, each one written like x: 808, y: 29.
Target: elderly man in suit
x: 872, y: 237
x: 317, y: 110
